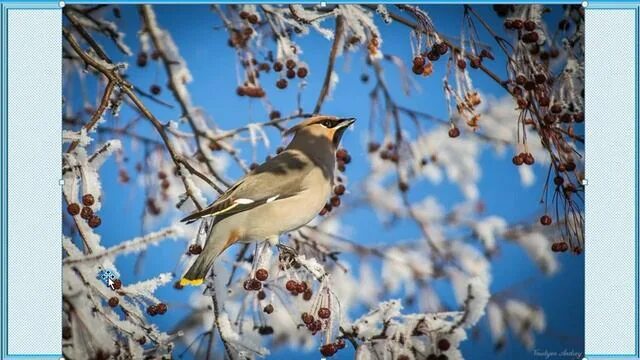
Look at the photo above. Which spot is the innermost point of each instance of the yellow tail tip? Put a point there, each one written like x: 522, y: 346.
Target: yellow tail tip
x: 195, y: 282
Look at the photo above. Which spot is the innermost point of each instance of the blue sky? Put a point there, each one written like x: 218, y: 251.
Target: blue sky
x: 203, y: 45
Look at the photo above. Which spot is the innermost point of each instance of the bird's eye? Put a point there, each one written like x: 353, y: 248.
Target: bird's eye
x: 327, y: 123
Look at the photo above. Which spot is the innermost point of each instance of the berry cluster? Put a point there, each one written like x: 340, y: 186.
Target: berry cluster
x: 296, y: 288
x: 86, y: 212
x: 334, y: 201
x: 422, y: 64
x: 559, y: 247
x: 523, y: 158
x: 158, y: 309
x: 290, y: 72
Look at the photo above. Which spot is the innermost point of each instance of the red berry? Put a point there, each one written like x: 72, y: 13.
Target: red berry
x: 328, y: 350
x: 114, y: 301
x: 152, y: 310
x: 335, y: 201
x: 307, y: 318
x: 86, y: 213
x: 545, y: 220
x: 161, y: 308
x: 324, y: 313
x: 418, y: 61
x: 517, y: 24
x: 277, y: 66
x: 291, y: 74
x: 290, y: 64
x: 94, y: 221
x: 302, y: 72
x: 339, y: 190
x: 268, y: 309
x: 195, y: 249
x: 307, y: 294
x: 253, y: 19
x: 454, y: 132
x: 558, y: 180
x: 281, y: 84
x: 461, y: 64
x: 443, y: 344
x: 88, y: 200
x: 155, y: 89
x: 73, y: 209
x: 529, y: 25
x: 117, y: 284
x: 262, y: 274
x: 291, y: 285
x: 529, y: 159
x: 517, y: 160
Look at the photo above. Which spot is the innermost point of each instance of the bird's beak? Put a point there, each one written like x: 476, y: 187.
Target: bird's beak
x: 340, y: 128
x: 346, y: 122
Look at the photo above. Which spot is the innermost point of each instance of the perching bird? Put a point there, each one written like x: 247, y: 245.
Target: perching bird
x: 281, y: 195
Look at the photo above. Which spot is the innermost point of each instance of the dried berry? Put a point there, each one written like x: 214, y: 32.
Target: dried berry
x: 73, y: 209
x: 340, y: 344
x: 540, y: 78
x: 418, y: 61
x: 261, y: 295
x: 307, y: 295
x: 253, y: 19
x: 558, y: 180
x: 328, y: 350
x: 117, y: 284
x: 94, y: 221
x: 417, y: 69
x: 433, y: 55
x: 528, y: 159
x: 530, y: 38
x: 324, y: 313
x: 403, y: 186
x: 570, y: 165
x: 113, y: 301
x: 461, y: 64
x: 142, y: 59
x: 302, y: 72
x: 517, y: 160
x: 268, y: 309
x: 307, y: 318
x: 243, y: 15
x: 545, y: 220
x: 339, y: 190
x: 195, y: 249
x: 517, y: 24
x: 454, y: 132
x: 290, y: 64
x: 86, y: 213
x: 142, y: 340
x: 88, y: 200
x: 444, y: 344
x: 277, y: 66
x: 335, y: 201
x: 262, y: 274
x: 291, y: 285
x: 161, y: 308
x: 291, y: 74
x: 152, y: 310
x: 275, y: 114
x: 529, y: 85
x: 281, y: 84
x: 265, y: 330
x: 475, y: 62
x: 155, y: 89
x: 529, y: 25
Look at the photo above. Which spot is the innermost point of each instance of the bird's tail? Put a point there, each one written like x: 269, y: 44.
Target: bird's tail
x: 198, y: 271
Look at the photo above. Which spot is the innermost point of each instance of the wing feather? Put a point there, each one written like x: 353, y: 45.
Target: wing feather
x: 278, y: 178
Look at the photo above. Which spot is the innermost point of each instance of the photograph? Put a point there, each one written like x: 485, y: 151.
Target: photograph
x: 323, y: 180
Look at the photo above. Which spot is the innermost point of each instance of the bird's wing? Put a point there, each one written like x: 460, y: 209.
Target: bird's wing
x: 278, y: 178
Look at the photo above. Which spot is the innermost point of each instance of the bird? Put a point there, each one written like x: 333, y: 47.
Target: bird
x: 283, y: 194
